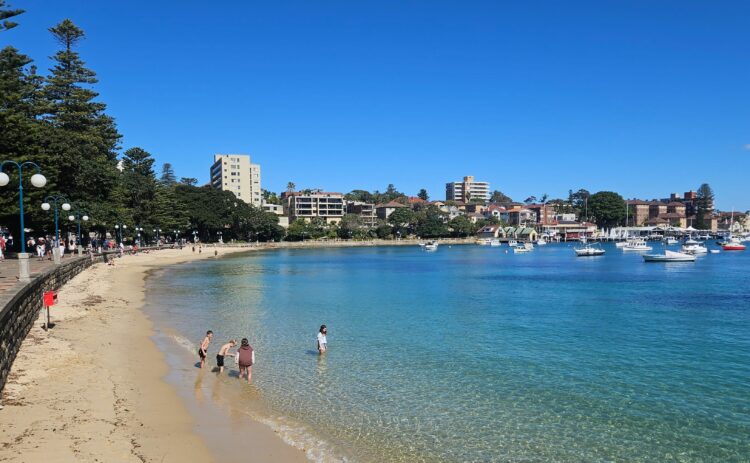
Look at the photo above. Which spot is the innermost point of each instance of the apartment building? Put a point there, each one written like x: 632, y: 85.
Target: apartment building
x: 467, y: 190
x: 308, y: 205
x: 235, y: 173
x: 365, y: 211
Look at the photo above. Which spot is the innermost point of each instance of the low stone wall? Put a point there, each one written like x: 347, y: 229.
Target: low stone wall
x: 20, y: 308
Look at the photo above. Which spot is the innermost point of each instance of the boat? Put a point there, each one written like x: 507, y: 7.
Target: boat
x: 636, y: 245
x: 589, y: 251
x: 714, y: 251
x: 541, y: 241
x: 671, y: 240
x: 693, y: 247
x: 430, y: 246
x: 669, y: 256
x: 732, y: 243
x: 495, y: 243
x: 523, y: 248
x: 621, y: 244
x: 481, y: 242
x: 512, y: 243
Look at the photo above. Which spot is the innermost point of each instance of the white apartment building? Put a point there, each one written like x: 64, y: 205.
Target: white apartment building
x: 467, y: 190
x: 235, y: 173
x: 307, y: 205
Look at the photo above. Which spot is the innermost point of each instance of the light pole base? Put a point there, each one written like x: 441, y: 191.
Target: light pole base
x: 23, y: 266
x: 56, y: 254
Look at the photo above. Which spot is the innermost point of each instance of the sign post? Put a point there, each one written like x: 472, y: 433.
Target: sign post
x: 50, y: 299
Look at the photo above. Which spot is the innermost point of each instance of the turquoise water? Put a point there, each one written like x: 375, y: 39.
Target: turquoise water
x: 473, y: 354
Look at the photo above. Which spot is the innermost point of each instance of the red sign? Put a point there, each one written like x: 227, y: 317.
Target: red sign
x: 50, y: 298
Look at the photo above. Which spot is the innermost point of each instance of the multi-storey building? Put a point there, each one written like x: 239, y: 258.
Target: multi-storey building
x: 467, y: 190
x: 308, y: 205
x: 235, y: 173
x: 365, y: 211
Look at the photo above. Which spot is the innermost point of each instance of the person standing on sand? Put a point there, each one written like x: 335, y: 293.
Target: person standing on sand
x: 203, y: 349
x: 322, y: 341
x: 245, y: 359
x: 223, y: 352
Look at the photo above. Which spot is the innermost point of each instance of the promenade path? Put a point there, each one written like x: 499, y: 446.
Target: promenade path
x: 9, y: 270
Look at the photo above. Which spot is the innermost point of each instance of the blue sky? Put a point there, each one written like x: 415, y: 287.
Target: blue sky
x: 643, y: 98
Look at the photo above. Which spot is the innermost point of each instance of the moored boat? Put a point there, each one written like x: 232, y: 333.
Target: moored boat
x: 430, y: 246
x: 636, y: 245
x: 589, y: 251
x: 669, y: 256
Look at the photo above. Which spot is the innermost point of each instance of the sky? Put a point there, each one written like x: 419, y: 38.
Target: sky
x: 639, y: 97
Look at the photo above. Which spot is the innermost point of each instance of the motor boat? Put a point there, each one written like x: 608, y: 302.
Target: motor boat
x: 589, y: 251
x: 512, y: 243
x: 495, y: 243
x: 636, y: 245
x: 519, y: 248
x: 671, y: 241
x: 430, y: 246
x: 693, y: 247
x: 541, y: 241
x: 669, y: 256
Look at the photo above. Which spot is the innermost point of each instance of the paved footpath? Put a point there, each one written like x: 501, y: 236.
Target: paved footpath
x: 9, y: 270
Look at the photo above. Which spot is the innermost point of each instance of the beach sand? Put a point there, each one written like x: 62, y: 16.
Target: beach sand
x: 92, y: 389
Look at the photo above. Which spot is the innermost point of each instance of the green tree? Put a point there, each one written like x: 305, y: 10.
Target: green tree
x: 189, y: 181
x: 431, y: 223
x: 461, y: 226
x: 360, y: 196
x: 6, y: 14
x: 579, y: 201
x: 84, y: 140
x: 140, y: 185
x: 403, y: 220
x: 499, y: 197
x: 423, y: 195
x: 607, y: 207
x: 351, y: 226
x: 704, y: 206
x: 291, y: 187
x: 167, y: 175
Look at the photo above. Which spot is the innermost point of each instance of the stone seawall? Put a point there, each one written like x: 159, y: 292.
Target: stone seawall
x: 21, y: 305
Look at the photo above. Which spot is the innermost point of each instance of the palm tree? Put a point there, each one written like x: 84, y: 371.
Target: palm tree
x: 291, y: 187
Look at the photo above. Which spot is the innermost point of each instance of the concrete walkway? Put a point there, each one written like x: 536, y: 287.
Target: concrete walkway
x: 9, y: 270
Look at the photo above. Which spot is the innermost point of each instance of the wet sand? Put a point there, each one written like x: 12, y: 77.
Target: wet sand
x: 92, y: 389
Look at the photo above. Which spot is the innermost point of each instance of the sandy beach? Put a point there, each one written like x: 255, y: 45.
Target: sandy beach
x: 92, y: 389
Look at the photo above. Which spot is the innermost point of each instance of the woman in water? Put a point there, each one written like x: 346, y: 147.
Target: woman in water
x: 322, y: 342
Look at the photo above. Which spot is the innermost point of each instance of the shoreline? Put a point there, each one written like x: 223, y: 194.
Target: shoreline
x: 94, y: 387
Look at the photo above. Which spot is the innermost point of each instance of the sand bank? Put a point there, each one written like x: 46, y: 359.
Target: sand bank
x: 92, y: 389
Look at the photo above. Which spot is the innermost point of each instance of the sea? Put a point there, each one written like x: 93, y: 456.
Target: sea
x: 473, y: 353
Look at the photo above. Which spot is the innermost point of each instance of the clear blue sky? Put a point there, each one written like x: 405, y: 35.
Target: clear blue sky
x: 640, y: 97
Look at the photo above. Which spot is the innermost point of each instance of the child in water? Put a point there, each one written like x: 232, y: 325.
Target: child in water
x: 322, y: 341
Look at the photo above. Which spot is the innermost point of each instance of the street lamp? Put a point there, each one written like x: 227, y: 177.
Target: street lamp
x: 66, y: 207
x: 78, y: 217
x: 220, y: 236
x: 195, y: 236
x: 38, y: 181
x: 120, y: 229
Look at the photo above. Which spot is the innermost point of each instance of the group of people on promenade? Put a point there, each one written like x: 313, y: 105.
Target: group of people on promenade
x: 244, y: 357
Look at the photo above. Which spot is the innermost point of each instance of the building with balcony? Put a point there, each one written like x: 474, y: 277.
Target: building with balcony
x: 365, y: 212
x: 235, y: 173
x: 467, y: 190
x: 307, y: 205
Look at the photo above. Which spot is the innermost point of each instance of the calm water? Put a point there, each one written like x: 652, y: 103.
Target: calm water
x: 472, y: 354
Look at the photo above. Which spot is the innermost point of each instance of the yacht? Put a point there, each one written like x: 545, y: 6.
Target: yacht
x: 693, y: 247
x: 669, y: 256
x: 430, y: 246
x: 528, y: 247
x: 733, y: 244
x: 589, y: 251
x: 636, y: 245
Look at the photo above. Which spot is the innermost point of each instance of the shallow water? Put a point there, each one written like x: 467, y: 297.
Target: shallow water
x: 472, y: 354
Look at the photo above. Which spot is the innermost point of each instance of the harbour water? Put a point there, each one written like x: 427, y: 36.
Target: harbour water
x: 470, y: 353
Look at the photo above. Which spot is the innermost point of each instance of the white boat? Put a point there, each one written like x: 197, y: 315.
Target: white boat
x: 714, y: 251
x: 671, y: 240
x: 495, y: 243
x: 589, y: 251
x: 522, y: 248
x: 430, y: 246
x: 621, y: 244
x: 669, y: 256
x: 693, y: 247
x: 541, y: 241
x: 636, y: 245
x: 512, y: 243
x: 481, y: 242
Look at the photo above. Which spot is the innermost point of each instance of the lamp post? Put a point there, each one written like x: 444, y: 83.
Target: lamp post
x: 138, y: 231
x: 38, y: 181
x: 195, y: 236
x: 66, y: 207
x: 78, y: 217
x: 220, y: 237
x: 120, y: 229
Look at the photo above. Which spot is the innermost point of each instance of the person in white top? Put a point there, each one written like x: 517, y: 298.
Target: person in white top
x: 322, y: 342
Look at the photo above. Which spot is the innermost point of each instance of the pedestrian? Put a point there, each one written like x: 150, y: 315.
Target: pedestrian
x: 2, y: 247
x: 322, y: 341
x: 223, y: 352
x: 203, y: 349
x: 245, y: 359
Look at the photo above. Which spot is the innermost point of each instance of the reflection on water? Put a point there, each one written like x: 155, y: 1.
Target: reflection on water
x: 472, y: 354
